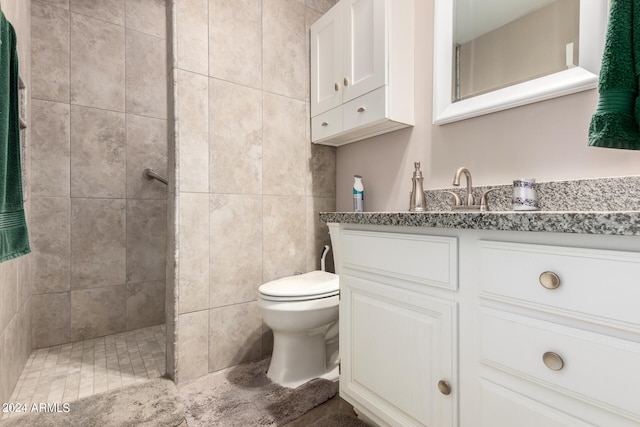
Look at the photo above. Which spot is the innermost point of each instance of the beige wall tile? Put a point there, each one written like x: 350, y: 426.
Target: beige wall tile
x: 105, y: 10
x: 284, y: 242
x: 285, y: 146
x: 97, y: 63
x: 50, y: 149
x: 6, y: 386
x: 321, y: 5
x: 284, y: 49
x: 98, y: 153
x: 321, y: 174
x: 97, y: 312
x: 193, y: 120
x: 146, y: 75
x: 58, y: 3
x: 235, y: 41
x: 97, y: 243
x: 317, y: 232
x: 146, y: 148
x: 193, y: 262
x: 235, y: 141
x: 236, y: 251
x: 50, y: 45
x: 235, y: 335
x: 145, y: 304
x: 191, y: 33
x: 50, y: 240
x: 26, y: 266
x: 146, y: 240
x: 147, y: 16
x: 15, y: 349
x: 9, y: 292
x: 193, y: 345
x: 51, y: 320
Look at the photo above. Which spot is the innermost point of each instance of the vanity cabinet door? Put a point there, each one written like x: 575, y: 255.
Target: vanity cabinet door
x: 397, y: 354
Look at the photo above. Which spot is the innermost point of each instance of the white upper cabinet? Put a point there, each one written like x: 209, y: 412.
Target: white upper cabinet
x: 362, y: 70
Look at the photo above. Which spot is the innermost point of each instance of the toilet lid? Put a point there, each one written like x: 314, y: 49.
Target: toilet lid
x: 314, y: 285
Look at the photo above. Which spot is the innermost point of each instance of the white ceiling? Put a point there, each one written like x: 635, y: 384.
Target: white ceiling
x: 477, y: 17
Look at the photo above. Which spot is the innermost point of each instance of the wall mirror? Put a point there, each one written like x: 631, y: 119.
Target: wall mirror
x: 490, y: 55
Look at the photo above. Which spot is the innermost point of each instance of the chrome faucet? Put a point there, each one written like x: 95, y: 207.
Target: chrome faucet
x: 456, y: 182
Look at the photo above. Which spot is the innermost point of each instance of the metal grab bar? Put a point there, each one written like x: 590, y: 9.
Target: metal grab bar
x: 151, y: 174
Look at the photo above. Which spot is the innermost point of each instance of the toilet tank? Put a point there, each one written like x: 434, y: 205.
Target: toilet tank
x: 334, y: 233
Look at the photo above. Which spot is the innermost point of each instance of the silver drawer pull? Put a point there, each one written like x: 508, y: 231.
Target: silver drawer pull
x: 361, y: 110
x: 553, y: 361
x: 325, y: 124
x: 444, y: 387
x: 336, y: 86
x: 549, y: 280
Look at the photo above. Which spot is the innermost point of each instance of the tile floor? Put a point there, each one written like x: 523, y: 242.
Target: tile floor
x: 64, y: 373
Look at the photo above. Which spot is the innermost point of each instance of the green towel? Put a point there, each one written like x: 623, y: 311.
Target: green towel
x: 14, y: 240
x: 615, y: 122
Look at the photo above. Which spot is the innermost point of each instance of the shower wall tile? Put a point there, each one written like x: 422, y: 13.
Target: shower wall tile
x: 285, y: 146
x: 50, y: 149
x: 98, y: 153
x: 50, y: 44
x: 145, y: 304
x: 50, y: 237
x: 106, y: 10
x: 51, y: 325
x: 321, y: 6
x: 193, y: 119
x: 26, y: 267
x: 146, y: 148
x: 321, y: 176
x: 146, y: 93
x: 235, y: 335
x: 98, y: 256
x: 146, y: 240
x: 317, y: 232
x: 97, y: 312
x: 235, y: 138
x: 8, y: 292
x: 97, y: 63
x: 192, y: 34
x: 14, y: 347
x: 64, y: 4
x: 193, y: 261
x: 147, y: 16
x: 235, y: 41
x: 193, y: 345
x: 284, y: 241
x: 284, y: 36
x: 235, y: 252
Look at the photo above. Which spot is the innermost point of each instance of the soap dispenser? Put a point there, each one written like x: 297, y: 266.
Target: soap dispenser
x: 417, y: 202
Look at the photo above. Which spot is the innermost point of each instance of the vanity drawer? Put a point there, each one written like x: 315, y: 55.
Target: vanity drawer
x: 429, y: 260
x: 326, y: 124
x: 365, y: 110
x: 597, y: 369
x: 596, y: 285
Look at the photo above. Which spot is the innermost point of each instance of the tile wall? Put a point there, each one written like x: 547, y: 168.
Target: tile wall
x: 248, y: 184
x: 15, y: 277
x: 99, y: 113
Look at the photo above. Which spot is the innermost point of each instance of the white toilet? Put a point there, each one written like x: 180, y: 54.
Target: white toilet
x: 302, y: 311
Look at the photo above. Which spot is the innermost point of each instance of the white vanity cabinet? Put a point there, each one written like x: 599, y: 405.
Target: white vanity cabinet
x: 470, y: 328
x: 398, y: 327
x: 362, y: 70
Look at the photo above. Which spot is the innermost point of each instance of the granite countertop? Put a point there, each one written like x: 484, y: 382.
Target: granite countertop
x: 607, y: 206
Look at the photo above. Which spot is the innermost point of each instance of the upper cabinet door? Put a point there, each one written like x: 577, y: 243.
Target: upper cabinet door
x: 364, y: 47
x: 326, y: 52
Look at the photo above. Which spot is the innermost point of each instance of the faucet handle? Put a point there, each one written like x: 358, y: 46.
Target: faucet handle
x: 456, y: 198
x: 483, y: 200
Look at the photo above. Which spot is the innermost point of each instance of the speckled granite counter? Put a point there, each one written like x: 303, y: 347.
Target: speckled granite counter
x: 593, y: 206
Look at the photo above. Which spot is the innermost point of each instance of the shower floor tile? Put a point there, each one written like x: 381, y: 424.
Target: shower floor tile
x: 67, y: 372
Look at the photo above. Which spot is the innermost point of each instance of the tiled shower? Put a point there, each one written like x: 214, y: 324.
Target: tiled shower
x: 114, y: 252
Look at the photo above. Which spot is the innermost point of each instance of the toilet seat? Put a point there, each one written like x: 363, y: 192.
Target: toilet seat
x: 302, y: 287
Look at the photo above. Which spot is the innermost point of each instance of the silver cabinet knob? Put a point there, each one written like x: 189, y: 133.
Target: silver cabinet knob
x: 325, y: 124
x: 444, y: 387
x: 549, y: 280
x: 336, y: 86
x: 346, y: 81
x: 553, y: 361
x: 361, y: 110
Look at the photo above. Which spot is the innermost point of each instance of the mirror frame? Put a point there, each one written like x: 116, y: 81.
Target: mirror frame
x: 593, y: 27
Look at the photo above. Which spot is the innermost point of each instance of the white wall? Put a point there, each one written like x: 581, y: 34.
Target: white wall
x: 545, y: 140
